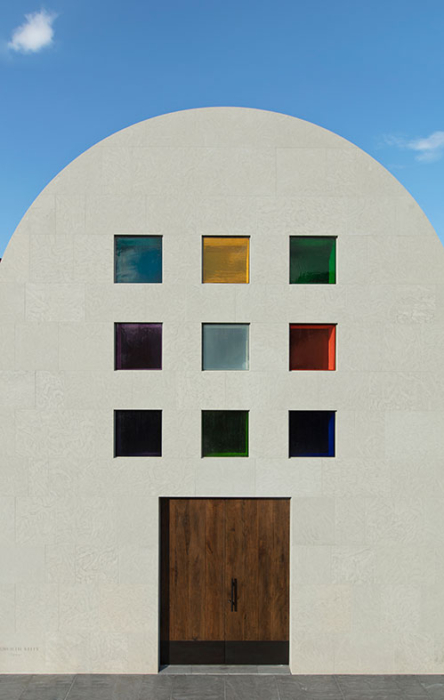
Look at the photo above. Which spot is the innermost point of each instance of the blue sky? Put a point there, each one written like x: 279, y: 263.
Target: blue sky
x: 74, y: 71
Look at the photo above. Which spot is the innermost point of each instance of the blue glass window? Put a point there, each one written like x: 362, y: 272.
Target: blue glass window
x: 138, y: 259
x: 312, y: 434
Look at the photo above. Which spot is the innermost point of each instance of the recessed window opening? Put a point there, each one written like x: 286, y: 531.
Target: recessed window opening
x: 225, y: 346
x: 138, y: 259
x: 312, y: 260
x: 224, y: 433
x: 312, y: 346
x: 311, y: 433
x: 138, y: 433
x: 138, y: 346
x: 225, y: 259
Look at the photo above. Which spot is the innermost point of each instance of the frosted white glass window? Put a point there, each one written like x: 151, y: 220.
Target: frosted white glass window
x: 225, y: 346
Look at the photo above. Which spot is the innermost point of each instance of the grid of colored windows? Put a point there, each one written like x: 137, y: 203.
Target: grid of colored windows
x: 225, y: 259
x: 225, y: 346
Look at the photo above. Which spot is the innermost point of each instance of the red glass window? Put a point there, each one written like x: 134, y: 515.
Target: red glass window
x: 312, y: 346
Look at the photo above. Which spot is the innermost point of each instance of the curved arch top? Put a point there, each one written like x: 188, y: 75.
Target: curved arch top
x: 227, y: 151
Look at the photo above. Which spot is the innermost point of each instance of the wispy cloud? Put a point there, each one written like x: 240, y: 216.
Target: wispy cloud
x: 34, y: 34
x: 428, y: 149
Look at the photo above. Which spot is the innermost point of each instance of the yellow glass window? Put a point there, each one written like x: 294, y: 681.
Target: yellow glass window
x: 226, y: 259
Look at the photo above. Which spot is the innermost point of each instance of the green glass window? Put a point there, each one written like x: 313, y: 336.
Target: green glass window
x: 312, y: 260
x: 224, y: 433
x: 138, y: 259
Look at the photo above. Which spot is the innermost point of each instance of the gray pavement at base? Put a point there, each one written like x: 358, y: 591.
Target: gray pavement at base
x: 220, y: 683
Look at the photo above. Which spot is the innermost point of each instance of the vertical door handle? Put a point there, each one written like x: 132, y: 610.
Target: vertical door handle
x: 233, y: 599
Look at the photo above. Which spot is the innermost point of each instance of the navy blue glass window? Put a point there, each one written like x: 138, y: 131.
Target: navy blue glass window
x: 138, y: 259
x: 312, y: 434
x: 138, y: 433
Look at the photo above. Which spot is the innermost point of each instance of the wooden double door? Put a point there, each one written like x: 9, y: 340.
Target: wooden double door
x: 224, y: 581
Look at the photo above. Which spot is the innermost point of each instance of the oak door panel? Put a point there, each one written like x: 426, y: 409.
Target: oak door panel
x: 205, y: 544
x: 257, y: 555
x: 281, y: 554
x: 214, y: 570
x: 242, y: 564
x: 196, y: 550
x: 273, y: 572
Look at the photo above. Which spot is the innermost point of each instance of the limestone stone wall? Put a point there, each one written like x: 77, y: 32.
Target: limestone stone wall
x: 79, y: 527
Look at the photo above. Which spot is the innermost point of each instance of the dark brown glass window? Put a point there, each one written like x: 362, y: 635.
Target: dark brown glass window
x: 138, y: 433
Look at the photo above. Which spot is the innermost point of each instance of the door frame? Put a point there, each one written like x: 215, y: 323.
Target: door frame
x: 208, y: 650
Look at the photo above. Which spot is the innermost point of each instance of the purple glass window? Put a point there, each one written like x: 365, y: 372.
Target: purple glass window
x: 138, y: 346
x: 138, y: 433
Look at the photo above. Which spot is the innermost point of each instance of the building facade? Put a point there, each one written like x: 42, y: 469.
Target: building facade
x: 222, y: 407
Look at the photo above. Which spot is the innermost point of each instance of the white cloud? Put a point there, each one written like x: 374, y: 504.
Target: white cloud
x: 393, y: 140
x: 34, y: 34
x: 428, y: 149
